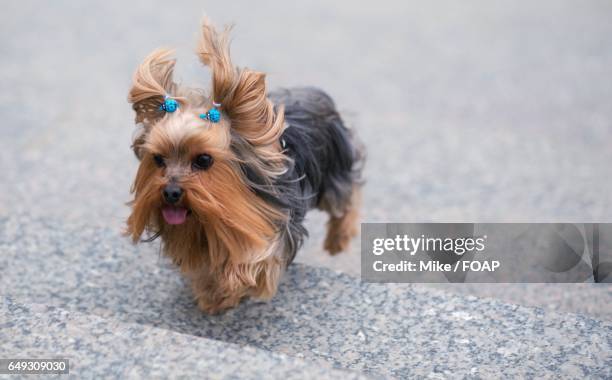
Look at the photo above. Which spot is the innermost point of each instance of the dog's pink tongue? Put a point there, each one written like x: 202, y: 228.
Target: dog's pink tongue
x: 174, y: 215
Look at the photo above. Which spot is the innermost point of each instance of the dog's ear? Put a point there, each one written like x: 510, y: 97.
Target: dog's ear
x: 241, y: 92
x: 151, y: 82
x: 213, y: 51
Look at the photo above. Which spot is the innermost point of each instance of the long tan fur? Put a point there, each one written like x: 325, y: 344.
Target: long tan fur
x: 242, y: 93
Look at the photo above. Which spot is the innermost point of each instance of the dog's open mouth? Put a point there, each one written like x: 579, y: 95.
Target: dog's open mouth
x: 174, y: 214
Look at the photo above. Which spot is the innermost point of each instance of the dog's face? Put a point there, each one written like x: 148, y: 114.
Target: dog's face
x: 191, y: 185
x: 187, y: 167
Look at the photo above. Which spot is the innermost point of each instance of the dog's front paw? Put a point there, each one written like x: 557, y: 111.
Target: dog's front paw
x: 219, y: 305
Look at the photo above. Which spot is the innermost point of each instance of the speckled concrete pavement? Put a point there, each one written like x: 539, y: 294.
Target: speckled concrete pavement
x: 470, y: 112
x: 98, y: 347
x: 325, y: 318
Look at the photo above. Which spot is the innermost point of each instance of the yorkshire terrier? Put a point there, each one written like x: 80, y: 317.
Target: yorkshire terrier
x: 226, y: 178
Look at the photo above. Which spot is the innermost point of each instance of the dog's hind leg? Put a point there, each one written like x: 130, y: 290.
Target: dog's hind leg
x: 342, y: 226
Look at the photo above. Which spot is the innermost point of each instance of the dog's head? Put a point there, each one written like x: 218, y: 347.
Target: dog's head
x: 197, y: 171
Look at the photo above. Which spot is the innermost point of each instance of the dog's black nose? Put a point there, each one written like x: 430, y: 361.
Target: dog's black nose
x: 172, y: 193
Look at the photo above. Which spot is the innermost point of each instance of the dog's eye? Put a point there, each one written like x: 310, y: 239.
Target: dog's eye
x: 159, y: 160
x: 203, y: 162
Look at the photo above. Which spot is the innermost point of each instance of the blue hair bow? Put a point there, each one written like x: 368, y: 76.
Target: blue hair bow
x: 169, y: 104
x: 212, y: 114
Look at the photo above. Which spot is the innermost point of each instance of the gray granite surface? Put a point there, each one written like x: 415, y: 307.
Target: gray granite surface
x: 99, y: 347
x: 318, y: 315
